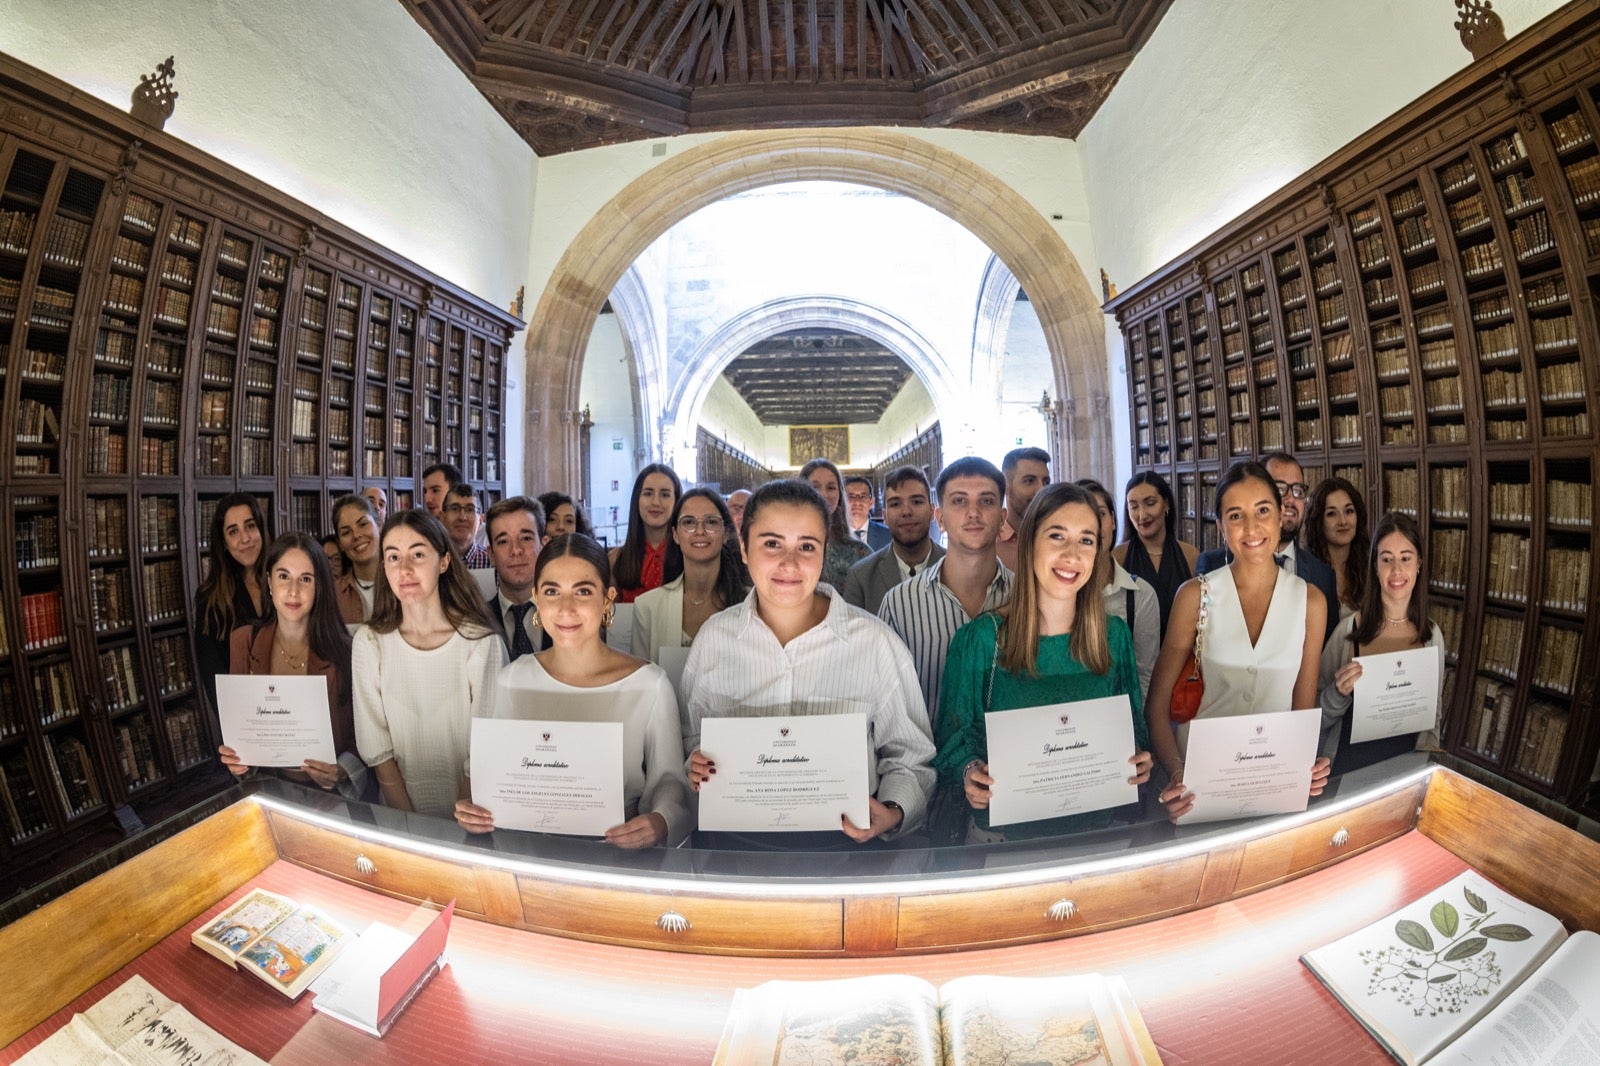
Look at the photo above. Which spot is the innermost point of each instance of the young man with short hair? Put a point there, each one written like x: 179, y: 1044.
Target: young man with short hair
x: 906, y: 506
x: 859, y: 496
x: 1026, y: 470
x: 438, y: 480
x: 927, y: 609
x: 461, y: 523
x: 516, y: 533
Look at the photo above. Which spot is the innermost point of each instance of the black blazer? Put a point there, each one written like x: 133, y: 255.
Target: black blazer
x: 1310, y: 569
x: 493, y: 603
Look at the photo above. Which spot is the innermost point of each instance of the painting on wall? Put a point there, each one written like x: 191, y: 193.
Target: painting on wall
x: 811, y: 442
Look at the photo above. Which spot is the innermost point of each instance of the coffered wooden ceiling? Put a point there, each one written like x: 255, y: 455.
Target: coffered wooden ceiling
x: 571, y: 74
x: 817, y: 377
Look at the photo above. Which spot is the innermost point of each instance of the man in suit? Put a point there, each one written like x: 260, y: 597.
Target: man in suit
x: 859, y: 497
x: 1289, y: 476
x: 516, y: 533
x: 907, y: 506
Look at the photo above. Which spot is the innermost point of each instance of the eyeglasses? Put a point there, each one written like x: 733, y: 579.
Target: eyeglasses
x: 461, y: 508
x: 689, y: 523
x: 859, y: 497
x: 1299, y: 490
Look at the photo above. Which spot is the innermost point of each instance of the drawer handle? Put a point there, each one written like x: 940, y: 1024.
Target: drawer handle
x: 673, y: 922
x: 1341, y: 838
x: 365, y: 866
x: 1061, y: 910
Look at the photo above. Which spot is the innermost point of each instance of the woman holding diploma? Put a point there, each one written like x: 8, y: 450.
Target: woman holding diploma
x: 1393, y: 616
x: 1053, y: 643
x: 704, y: 574
x: 1263, y: 630
x: 424, y: 665
x: 300, y: 634
x: 795, y: 647
x: 573, y: 595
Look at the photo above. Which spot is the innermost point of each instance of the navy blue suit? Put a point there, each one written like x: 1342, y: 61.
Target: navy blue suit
x: 878, y: 535
x: 1312, y: 571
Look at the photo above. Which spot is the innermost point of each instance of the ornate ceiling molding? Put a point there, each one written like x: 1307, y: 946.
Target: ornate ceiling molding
x: 570, y: 74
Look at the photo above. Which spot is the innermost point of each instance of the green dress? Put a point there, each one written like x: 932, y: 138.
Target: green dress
x: 1061, y: 679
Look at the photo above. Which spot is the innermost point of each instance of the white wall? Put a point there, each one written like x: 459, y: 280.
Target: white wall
x: 908, y: 415
x: 1025, y: 375
x: 725, y: 414
x: 1228, y: 102
x: 347, y: 105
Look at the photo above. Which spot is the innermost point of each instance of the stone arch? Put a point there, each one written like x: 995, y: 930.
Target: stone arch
x: 648, y: 206
x: 991, y: 323
x: 691, y: 388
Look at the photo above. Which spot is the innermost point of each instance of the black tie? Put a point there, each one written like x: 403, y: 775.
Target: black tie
x: 520, y: 643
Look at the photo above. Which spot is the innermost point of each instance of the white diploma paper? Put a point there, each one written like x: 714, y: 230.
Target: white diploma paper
x: 1397, y: 692
x: 1058, y: 760
x: 785, y: 774
x: 1249, y: 764
x: 276, y: 720
x: 550, y: 777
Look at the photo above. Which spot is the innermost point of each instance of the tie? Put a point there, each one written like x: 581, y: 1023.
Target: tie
x: 861, y: 534
x: 520, y: 644
x: 1284, y: 563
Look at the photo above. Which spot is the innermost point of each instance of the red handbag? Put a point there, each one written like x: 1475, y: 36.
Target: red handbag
x: 1191, y: 687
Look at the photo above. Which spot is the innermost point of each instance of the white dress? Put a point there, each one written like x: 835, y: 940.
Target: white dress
x: 416, y: 707
x: 653, y: 779
x: 1241, y: 678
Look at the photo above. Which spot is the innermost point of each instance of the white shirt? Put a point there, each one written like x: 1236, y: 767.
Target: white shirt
x: 849, y: 663
x: 1146, y: 624
x: 416, y: 707
x: 653, y: 779
x: 925, y: 614
x: 507, y: 620
x: 905, y: 567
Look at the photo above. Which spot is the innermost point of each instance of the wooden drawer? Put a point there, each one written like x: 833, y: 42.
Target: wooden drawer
x: 478, y: 892
x: 1281, y: 856
x: 715, y: 924
x: 1008, y: 915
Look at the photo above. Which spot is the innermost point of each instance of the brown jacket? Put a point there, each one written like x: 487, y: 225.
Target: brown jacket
x: 352, y: 611
x: 247, y: 656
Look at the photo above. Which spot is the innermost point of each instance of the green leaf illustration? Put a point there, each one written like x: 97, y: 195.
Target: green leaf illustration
x: 1505, y: 932
x: 1445, y: 919
x: 1475, y: 900
x: 1441, y: 979
x: 1466, y: 949
x: 1416, y: 934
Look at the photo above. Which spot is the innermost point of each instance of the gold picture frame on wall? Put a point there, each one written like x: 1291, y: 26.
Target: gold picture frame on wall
x: 813, y: 442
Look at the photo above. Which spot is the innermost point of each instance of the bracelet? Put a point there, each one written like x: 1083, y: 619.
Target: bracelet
x: 967, y: 768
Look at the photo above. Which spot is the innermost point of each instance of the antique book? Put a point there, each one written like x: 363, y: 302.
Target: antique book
x: 1430, y: 972
x: 135, y: 1025
x: 275, y: 939
x: 1085, y: 1020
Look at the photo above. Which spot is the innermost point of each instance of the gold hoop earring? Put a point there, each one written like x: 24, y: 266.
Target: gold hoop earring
x: 610, y: 617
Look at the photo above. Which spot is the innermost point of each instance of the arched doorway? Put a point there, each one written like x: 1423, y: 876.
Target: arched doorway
x: 622, y: 229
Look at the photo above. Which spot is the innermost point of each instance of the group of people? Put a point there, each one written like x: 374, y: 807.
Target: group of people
x: 792, y: 600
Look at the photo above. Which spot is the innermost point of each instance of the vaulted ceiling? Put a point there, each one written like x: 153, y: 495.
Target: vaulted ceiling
x: 570, y: 74
x: 817, y: 377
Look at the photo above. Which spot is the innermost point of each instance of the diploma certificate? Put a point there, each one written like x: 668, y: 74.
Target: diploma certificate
x: 1058, y: 760
x: 276, y: 719
x: 1243, y: 765
x: 785, y: 774
x: 1397, y: 692
x: 550, y: 777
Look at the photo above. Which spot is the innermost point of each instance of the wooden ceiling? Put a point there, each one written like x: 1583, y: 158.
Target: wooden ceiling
x: 809, y: 377
x: 570, y: 74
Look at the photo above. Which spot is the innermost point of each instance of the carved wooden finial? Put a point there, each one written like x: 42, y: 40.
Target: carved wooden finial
x: 303, y: 247
x: 154, y: 98
x: 1480, y: 28
x: 125, y: 165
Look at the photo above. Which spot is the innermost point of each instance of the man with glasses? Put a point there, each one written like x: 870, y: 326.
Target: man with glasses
x: 859, y: 498
x: 1290, y: 478
x: 460, y: 515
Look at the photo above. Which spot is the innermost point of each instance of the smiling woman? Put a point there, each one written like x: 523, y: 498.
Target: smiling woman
x: 356, y: 525
x: 231, y: 594
x: 704, y: 574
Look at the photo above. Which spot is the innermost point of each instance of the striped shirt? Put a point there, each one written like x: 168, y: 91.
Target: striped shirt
x: 849, y: 663
x: 926, y: 615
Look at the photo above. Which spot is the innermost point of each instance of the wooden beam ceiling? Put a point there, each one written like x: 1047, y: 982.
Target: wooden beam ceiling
x: 571, y: 74
x: 817, y: 377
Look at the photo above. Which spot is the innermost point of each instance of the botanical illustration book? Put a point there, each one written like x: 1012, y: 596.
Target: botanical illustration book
x: 274, y: 938
x: 135, y: 1025
x: 899, y: 1020
x: 1429, y: 972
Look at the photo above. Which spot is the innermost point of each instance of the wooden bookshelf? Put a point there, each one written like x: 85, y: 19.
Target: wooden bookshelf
x: 172, y: 330
x: 1417, y: 314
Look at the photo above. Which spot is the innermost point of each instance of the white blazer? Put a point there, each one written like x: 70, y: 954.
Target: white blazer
x: 658, y: 620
